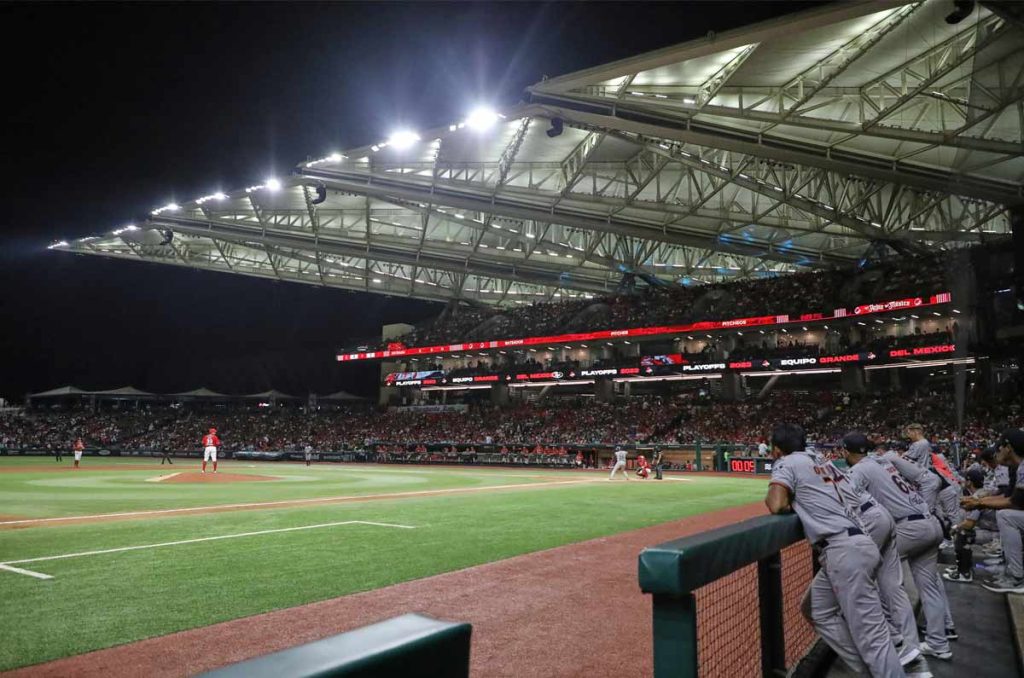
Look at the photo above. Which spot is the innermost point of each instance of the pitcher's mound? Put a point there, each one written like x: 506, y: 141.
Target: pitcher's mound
x: 211, y: 477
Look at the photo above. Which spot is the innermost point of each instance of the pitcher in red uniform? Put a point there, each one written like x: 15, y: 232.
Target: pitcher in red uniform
x: 210, y: 444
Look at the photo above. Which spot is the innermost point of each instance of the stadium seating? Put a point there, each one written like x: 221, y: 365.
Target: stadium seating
x: 654, y: 306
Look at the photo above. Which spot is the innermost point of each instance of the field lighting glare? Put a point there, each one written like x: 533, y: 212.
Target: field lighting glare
x: 273, y: 185
x: 481, y: 119
x: 403, y: 139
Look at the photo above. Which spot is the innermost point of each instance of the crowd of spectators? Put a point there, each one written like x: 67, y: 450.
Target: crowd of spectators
x: 791, y: 294
x: 552, y: 423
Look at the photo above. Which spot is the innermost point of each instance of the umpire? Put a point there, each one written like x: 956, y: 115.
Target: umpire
x: 657, y: 462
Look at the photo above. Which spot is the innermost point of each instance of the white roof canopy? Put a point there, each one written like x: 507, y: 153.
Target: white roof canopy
x: 790, y: 144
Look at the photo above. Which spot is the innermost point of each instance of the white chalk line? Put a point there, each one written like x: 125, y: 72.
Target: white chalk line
x: 30, y: 573
x: 39, y: 575
x: 288, y: 502
x: 160, y: 479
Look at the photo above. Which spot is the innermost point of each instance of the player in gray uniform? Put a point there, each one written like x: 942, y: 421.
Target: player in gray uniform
x: 920, y: 453
x: 918, y: 534
x: 942, y: 496
x: 927, y: 484
x: 977, y: 528
x: 1009, y: 515
x: 620, y: 464
x: 806, y: 483
x: 881, y: 526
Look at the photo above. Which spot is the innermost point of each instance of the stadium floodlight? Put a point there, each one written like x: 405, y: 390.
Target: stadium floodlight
x: 481, y: 119
x: 335, y: 157
x: 220, y: 196
x: 272, y: 185
x: 403, y: 139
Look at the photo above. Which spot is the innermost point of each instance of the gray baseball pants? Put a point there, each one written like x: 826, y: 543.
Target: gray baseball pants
x: 949, y: 504
x: 896, y: 606
x: 846, y: 609
x: 1011, y: 522
x: 918, y: 542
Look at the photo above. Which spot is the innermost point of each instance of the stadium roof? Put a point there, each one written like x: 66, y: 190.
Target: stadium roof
x: 791, y: 144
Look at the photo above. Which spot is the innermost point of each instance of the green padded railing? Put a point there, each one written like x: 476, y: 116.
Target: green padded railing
x: 410, y: 646
x: 672, y: 571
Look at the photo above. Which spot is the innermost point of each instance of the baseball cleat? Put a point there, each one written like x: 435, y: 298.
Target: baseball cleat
x: 1006, y: 584
x: 909, y: 655
x: 964, y: 578
x: 930, y: 651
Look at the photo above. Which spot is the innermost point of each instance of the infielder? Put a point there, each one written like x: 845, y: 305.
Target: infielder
x: 210, y: 444
x: 308, y: 451
x: 620, y: 464
x: 78, y: 450
x: 805, y: 482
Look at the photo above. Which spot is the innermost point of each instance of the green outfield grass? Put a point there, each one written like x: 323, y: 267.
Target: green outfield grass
x: 101, y: 600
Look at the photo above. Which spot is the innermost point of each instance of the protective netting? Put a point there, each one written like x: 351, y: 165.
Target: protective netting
x: 728, y: 618
x: 797, y: 572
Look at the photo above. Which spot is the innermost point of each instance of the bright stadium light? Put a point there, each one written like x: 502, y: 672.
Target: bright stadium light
x: 220, y: 196
x: 403, y: 139
x: 273, y: 185
x: 335, y: 157
x: 481, y: 119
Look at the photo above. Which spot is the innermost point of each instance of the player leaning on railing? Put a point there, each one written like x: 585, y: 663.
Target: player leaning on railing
x: 853, y: 623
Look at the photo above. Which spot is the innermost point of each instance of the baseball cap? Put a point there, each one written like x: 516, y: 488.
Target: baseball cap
x: 1013, y: 437
x: 976, y: 477
x: 988, y: 454
x: 857, y: 443
x: 213, y: 430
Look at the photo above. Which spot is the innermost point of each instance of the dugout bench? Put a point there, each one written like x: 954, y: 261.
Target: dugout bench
x: 411, y: 646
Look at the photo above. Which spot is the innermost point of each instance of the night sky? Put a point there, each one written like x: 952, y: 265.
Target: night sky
x: 112, y: 110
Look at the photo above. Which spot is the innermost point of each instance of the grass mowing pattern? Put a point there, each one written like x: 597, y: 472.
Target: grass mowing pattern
x: 104, y: 600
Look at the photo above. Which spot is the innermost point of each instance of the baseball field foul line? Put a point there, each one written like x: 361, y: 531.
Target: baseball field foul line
x: 39, y: 575
x: 160, y: 479
x: 296, y: 502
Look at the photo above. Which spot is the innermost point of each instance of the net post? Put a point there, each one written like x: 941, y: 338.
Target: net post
x: 773, y: 639
x: 675, y: 636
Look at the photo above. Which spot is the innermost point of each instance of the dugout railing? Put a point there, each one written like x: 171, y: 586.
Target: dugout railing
x: 726, y: 602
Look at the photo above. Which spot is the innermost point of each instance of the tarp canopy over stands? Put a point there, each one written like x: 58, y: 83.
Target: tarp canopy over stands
x: 341, y: 396
x: 201, y: 393
x: 125, y: 392
x: 62, y: 392
x: 272, y: 394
